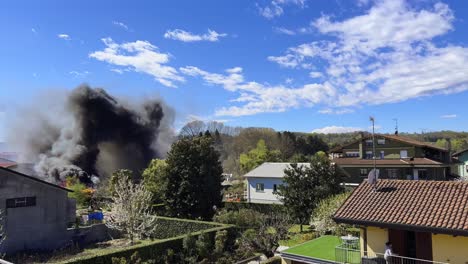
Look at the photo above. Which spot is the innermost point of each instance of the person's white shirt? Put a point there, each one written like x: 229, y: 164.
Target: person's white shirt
x: 388, y: 253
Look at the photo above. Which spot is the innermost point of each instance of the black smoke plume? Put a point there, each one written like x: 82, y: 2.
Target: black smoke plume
x: 90, y: 133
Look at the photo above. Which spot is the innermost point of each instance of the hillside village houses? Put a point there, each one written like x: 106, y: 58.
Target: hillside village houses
x: 397, y: 157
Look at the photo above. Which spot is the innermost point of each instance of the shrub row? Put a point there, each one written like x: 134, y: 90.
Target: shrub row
x: 171, y: 227
x: 156, y: 250
x: 261, y: 208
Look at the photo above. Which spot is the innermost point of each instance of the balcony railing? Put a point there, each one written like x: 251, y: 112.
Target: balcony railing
x: 348, y: 255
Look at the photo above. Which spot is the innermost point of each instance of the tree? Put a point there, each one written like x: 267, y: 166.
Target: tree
x: 130, y: 208
x: 266, y: 238
x: 322, y: 215
x: 155, y: 178
x: 257, y: 156
x: 81, y: 193
x: 194, y: 179
x: 305, y: 186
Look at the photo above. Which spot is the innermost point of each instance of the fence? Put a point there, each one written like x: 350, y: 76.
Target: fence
x: 348, y: 255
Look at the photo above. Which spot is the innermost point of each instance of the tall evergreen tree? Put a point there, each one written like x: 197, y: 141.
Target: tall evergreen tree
x: 193, y: 185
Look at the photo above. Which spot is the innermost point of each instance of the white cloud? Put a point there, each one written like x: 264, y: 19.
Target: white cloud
x: 257, y: 98
x: 331, y: 111
x: 139, y: 56
x: 385, y: 55
x: 33, y: 30
x: 64, y: 36
x: 336, y: 130
x: 285, y: 31
x: 79, y: 74
x: 275, y: 7
x: 185, y: 36
x: 450, y: 116
x: 315, y: 74
x: 120, y: 24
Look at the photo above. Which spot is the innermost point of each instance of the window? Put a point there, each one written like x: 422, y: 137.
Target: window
x: 392, y: 173
x: 382, y: 154
x: 275, y: 188
x: 369, y: 155
x: 381, y: 141
x: 260, y: 187
x: 369, y: 143
x: 352, y: 153
x: 403, y: 154
x: 364, y: 172
x: 21, y: 202
x: 422, y: 174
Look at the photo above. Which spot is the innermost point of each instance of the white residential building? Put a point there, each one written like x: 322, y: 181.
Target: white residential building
x: 263, y: 181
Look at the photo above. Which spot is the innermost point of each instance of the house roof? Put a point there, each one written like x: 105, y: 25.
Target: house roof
x: 6, y: 163
x: 458, y: 153
x: 399, y: 138
x: 33, y: 178
x: 429, y: 206
x: 383, y: 162
x: 271, y: 170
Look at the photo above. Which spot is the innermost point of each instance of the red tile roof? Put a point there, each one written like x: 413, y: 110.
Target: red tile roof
x: 432, y: 206
x: 4, y: 163
x: 383, y: 162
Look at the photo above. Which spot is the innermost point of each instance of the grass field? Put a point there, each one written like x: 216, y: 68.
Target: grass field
x: 321, y: 248
x: 296, y: 237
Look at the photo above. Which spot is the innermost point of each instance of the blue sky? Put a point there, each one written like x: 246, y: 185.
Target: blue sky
x: 297, y: 65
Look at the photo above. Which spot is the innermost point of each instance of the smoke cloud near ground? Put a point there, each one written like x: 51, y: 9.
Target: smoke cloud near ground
x: 89, y: 133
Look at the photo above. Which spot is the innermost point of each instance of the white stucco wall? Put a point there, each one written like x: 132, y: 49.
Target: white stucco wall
x: 267, y: 196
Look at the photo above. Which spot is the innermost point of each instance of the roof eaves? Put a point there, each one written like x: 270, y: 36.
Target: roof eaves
x: 35, y: 179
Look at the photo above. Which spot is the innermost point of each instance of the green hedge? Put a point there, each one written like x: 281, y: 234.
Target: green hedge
x: 262, y: 208
x: 156, y: 250
x: 167, y: 227
x: 273, y: 260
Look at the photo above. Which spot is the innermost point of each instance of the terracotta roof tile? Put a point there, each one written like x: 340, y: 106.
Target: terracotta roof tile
x: 441, y: 205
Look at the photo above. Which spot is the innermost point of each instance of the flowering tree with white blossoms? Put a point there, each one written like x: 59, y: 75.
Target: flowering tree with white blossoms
x: 131, y: 208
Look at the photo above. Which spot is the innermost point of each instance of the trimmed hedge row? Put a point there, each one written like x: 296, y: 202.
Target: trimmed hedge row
x: 156, y: 250
x: 261, y: 208
x: 167, y: 227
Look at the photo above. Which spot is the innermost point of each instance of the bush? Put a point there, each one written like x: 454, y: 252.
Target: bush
x: 273, y: 260
x: 243, y: 218
x: 261, y: 208
x: 322, y: 215
x: 160, y: 251
x: 172, y: 227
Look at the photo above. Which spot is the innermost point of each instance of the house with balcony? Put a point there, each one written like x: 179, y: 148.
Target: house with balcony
x: 396, y: 157
x: 460, y: 164
x: 426, y: 222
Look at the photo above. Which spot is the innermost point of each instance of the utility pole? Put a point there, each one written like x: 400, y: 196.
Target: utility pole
x: 373, y: 151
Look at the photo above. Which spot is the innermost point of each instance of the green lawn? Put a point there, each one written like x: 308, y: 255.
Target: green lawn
x: 296, y: 237
x: 321, y: 248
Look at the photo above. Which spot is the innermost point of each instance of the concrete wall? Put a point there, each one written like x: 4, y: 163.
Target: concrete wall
x: 376, y: 239
x: 266, y: 196
x: 39, y: 227
x: 450, y: 249
x: 460, y: 169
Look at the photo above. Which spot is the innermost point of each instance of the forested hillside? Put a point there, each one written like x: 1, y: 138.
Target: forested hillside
x: 242, y: 149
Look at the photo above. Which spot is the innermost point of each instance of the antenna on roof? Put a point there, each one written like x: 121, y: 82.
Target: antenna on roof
x: 396, y: 125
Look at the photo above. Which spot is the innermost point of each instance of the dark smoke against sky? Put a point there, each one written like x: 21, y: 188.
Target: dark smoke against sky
x: 88, y: 132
